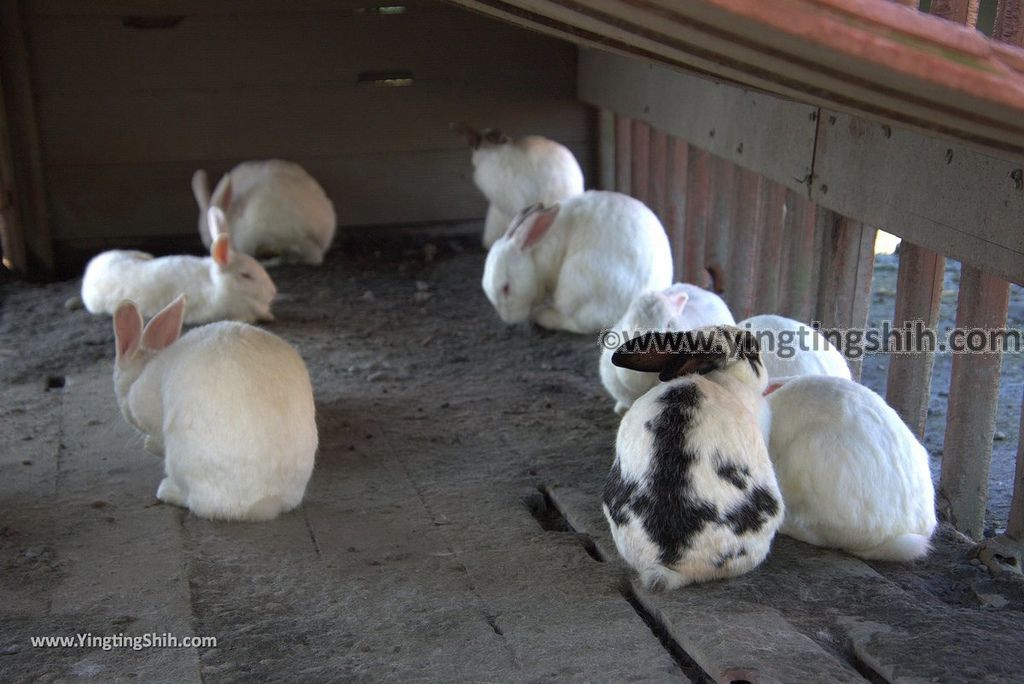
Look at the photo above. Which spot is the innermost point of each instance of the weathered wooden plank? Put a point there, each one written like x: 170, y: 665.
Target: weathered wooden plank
x: 163, y: 8
x: 659, y: 172
x: 15, y: 74
x: 12, y: 228
x: 1009, y: 27
x: 959, y: 11
x: 973, y: 401
x: 743, y: 248
x: 947, y: 198
x: 772, y: 136
x: 768, y: 257
x: 623, y: 154
x: 918, y: 70
x: 918, y: 294
x: 1015, y: 521
x: 675, y: 212
x: 797, y: 291
x: 605, y: 149
x: 722, y: 225
x: 640, y: 158
x: 941, y: 195
x: 698, y: 215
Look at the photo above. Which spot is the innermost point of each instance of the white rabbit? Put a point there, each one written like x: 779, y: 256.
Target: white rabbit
x: 276, y: 209
x: 692, y: 495
x: 852, y: 474
x: 514, y: 174
x: 225, y: 285
x: 577, y: 265
x: 679, y: 307
x: 229, y: 407
x: 790, y: 348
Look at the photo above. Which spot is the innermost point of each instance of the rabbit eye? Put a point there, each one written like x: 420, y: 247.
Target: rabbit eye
x: 247, y: 276
x: 505, y: 289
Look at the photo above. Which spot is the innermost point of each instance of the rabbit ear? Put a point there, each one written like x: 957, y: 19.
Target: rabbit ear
x: 127, y: 328
x: 216, y: 222
x: 164, y: 328
x: 650, y: 353
x: 676, y: 300
x: 673, y: 355
x: 223, y: 193
x: 220, y: 250
x: 534, y: 224
x: 201, y: 189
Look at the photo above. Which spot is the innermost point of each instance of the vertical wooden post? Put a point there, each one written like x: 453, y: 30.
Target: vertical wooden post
x: 722, y: 227
x: 675, y: 213
x: 769, y: 255
x: 743, y: 250
x: 960, y: 11
x: 24, y: 139
x: 918, y: 294
x: 973, y: 400
x: 641, y: 172
x: 798, y: 257
x: 12, y: 229
x: 844, y: 281
x: 623, y: 154
x: 605, y: 149
x: 1009, y: 27
x: 698, y: 211
x: 659, y: 172
x: 1015, y: 523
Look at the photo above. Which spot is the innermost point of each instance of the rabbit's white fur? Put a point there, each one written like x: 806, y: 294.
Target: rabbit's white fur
x: 692, y: 495
x: 813, y: 356
x: 578, y: 265
x: 679, y: 307
x: 852, y: 474
x: 276, y: 209
x: 229, y: 407
x: 514, y: 174
x: 225, y: 285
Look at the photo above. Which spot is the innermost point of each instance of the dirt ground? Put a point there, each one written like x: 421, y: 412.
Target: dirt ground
x: 451, y: 530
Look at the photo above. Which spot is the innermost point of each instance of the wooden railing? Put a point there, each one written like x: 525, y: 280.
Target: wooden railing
x: 824, y: 124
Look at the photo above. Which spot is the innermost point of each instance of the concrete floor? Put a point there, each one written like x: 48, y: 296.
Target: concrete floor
x: 451, y: 530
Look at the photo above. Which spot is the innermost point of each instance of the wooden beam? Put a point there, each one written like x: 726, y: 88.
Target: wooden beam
x: 946, y: 197
x: 875, y: 59
x: 27, y: 165
x: 12, y: 229
x: 973, y: 401
x: 918, y: 294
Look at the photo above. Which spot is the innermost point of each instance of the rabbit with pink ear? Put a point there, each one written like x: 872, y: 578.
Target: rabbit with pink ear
x: 228, y: 406
x: 224, y: 285
x: 276, y: 209
x: 578, y: 264
x: 680, y: 307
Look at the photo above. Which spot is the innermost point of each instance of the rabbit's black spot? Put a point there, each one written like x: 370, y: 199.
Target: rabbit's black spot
x: 670, y: 508
x: 735, y: 474
x: 731, y: 555
x: 617, y: 494
x: 754, y: 512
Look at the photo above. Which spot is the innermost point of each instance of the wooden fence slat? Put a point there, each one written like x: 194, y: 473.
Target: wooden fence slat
x: 698, y: 213
x: 798, y: 258
x: 1015, y: 522
x: 641, y: 156
x: 960, y: 11
x: 15, y: 73
x: 973, y: 400
x: 659, y: 172
x: 12, y: 230
x: 722, y: 224
x: 675, y: 224
x: 769, y: 253
x: 844, y: 280
x: 1009, y: 27
x: 623, y: 154
x: 918, y: 294
x: 744, y: 245
x: 605, y: 149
